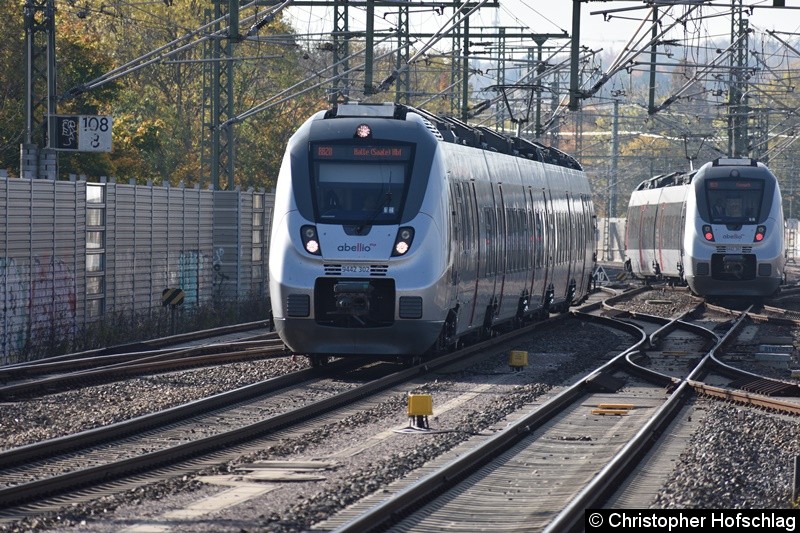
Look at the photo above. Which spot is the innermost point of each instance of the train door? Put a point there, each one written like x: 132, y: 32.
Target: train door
x: 641, y: 238
x: 473, y: 251
x: 561, y: 253
x: 569, y: 235
x: 529, y: 243
x: 501, y: 241
x: 491, y: 236
x: 649, y: 243
x: 584, y: 246
x: 589, y: 249
x: 486, y: 237
x: 463, y: 272
x: 658, y: 236
x: 550, y: 243
x: 680, y: 245
x: 635, y: 234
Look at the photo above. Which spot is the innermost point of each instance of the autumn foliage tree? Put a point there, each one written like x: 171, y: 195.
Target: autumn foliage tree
x: 159, y: 109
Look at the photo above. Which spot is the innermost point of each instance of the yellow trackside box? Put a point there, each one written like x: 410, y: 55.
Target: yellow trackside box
x: 518, y: 358
x: 420, y: 405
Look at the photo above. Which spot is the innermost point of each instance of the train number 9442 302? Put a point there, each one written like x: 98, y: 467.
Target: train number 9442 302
x: 355, y: 269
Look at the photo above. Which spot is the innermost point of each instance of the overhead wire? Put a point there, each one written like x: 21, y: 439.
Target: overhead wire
x: 165, y: 51
x: 695, y: 40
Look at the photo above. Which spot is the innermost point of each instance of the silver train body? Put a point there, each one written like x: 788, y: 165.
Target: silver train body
x: 719, y: 229
x: 396, y: 231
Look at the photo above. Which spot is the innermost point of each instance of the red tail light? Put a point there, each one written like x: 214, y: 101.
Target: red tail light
x: 761, y: 231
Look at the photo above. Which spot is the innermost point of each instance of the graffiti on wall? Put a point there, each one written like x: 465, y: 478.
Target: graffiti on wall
x: 190, y: 267
x: 220, y: 277
x: 14, y: 326
x: 38, y: 303
x: 53, y: 302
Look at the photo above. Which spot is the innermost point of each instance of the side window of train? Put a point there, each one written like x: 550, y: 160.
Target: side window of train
x: 488, y: 220
x: 540, y: 236
x: 517, y: 248
x: 501, y: 240
x: 467, y: 216
x: 456, y: 208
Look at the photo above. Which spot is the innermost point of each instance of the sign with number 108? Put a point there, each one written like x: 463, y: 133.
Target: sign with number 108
x: 94, y: 133
x: 83, y: 133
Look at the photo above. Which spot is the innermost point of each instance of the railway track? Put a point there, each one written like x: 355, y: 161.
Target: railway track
x: 661, y: 344
x: 525, y: 474
x: 28, y: 380
x: 34, y: 478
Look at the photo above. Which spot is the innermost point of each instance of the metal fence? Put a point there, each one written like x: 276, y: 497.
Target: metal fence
x: 611, y: 240
x: 73, y: 252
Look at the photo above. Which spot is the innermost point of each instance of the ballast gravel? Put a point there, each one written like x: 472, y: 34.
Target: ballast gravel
x: 718, y: 469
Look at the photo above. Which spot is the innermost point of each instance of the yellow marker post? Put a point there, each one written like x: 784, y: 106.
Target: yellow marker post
x: 518, y: 359
x: 420, y: 407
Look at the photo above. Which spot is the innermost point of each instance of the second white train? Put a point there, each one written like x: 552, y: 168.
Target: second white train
x: 719, y: 229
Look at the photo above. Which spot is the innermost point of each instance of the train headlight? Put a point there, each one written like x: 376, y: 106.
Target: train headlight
x: 761, y: 232
x: 363, y: 131
x: 708, y: 233
x: 403, y: 241
x: 310, y: 240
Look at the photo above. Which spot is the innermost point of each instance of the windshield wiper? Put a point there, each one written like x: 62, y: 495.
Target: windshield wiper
x: 387, y: 200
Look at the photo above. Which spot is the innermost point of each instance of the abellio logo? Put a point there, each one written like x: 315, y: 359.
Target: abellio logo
x: 357, y: 247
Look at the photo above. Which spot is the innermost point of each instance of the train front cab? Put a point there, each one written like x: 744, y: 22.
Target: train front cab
x: 735, y: 242
x: 352, y: 278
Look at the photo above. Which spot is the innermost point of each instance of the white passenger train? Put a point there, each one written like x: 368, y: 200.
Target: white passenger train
x: 720, y: 229
x: 396, y: 231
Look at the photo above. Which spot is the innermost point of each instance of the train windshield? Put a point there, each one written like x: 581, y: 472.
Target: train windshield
x: 360, y: 184
x: 734, y: 201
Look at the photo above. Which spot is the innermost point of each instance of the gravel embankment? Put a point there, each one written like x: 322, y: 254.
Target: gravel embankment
x: 739, y: 459
x: 554, y: 356
x: 55, y: 415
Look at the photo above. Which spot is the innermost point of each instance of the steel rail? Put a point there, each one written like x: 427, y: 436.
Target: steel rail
x: 137, y: 367
x: 384, y: 513
x: 592, y: 495
x: 738, y: 396
x: 71, y: 481
x: 151, y: 344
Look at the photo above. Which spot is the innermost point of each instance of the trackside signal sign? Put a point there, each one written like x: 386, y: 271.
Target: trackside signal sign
x: 172, y: 297
x: 82, y: 133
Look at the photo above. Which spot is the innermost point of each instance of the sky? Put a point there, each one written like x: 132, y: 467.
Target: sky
x: 626, y: 16
x: 555, y: 16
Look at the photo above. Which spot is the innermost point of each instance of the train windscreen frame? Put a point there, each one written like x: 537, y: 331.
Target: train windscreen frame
x: 734, y: 200
x: 357, y: 183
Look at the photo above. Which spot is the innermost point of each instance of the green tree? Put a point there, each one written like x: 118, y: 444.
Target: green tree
x: 12, y: 84
x: 158, y: 109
